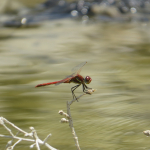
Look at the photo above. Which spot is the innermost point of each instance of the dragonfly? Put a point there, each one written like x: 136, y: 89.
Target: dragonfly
x: 75, y: 77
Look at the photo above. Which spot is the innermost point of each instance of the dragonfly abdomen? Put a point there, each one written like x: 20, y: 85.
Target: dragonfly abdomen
x: 44, y: 84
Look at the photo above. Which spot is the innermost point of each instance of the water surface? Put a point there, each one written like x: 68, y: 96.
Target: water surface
x: 118, y: 57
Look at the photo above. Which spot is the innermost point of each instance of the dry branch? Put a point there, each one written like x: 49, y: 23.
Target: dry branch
x: 33, y: 136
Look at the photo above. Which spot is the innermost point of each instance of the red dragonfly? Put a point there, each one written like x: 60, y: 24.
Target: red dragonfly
x: 73, y: 78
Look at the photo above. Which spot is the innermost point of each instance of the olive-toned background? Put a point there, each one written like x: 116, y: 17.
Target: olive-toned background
x: 118, y: 56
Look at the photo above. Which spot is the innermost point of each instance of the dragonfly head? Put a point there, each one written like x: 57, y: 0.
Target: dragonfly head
x: 87, y: 79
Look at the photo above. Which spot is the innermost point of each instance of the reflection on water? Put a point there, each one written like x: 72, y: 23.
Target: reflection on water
x: 118, y: 62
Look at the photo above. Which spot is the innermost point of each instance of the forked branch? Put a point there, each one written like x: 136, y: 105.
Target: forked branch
x: 69, y: 118
x: 33, y: 137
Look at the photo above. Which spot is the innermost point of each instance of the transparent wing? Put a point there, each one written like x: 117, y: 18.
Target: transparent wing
x: 64, y: 80
x: 76, y: 70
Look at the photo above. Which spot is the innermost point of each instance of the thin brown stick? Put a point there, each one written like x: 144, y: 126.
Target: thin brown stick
x: 89, y: 91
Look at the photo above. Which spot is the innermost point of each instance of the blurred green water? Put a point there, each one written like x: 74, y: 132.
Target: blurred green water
x: 113, y: 118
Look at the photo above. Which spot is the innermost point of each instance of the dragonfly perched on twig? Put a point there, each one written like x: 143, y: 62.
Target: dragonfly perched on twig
x: 75, y: 77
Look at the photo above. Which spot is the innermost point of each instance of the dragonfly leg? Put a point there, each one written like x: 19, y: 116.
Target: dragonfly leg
x: 85, y: 87
x: 72, y: 90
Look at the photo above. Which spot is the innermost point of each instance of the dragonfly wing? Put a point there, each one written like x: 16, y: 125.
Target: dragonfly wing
x: 76, y: 70
x: 64, y: 80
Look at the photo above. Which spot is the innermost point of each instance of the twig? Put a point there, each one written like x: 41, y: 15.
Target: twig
x: 33, y: 136
x: 147, y: 132
x: 71, y: 126
x: 68, y: 115
x: 89, y: 91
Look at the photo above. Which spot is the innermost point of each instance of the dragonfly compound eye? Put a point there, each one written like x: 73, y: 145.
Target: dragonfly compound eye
x: 88, y: 79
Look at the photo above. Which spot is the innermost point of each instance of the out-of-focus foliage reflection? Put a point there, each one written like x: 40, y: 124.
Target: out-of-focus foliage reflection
x: 118, y: 56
